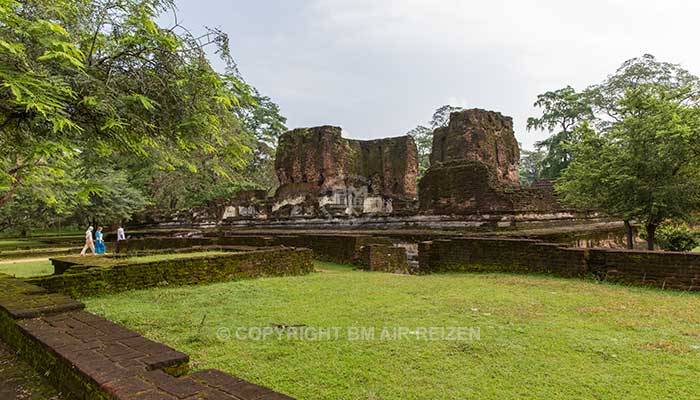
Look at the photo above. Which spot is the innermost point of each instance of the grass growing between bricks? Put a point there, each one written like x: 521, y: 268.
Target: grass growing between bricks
x: 540, y: 337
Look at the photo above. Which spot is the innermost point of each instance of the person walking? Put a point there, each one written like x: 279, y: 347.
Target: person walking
x: 120, y: 234
x: 89, y: 244
x: 100, y: 247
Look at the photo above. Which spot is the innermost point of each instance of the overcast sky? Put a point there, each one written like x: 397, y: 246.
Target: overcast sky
x: 380, y: 67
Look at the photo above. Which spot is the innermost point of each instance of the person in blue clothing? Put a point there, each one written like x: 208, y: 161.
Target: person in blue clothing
x: 100, y: 247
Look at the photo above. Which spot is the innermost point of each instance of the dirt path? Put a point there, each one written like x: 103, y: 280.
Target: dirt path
x: 20, y: 381
x: 23, y: 260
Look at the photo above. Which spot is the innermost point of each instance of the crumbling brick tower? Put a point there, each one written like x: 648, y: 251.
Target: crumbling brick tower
x: 473, y: 166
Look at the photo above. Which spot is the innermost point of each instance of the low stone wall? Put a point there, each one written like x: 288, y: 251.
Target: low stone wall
x: 88, y: 276
x: 508, y: 255
x: 37, y: 253
x: 378, y: 257
x: 644, y: 268
x: 334, y: 248
x: 669, y: 270
x: 88, y: 357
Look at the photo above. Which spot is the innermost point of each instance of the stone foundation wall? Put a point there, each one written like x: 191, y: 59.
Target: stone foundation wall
x: 333, y: 248
x: 644, y: 268
x: 383, y: 258
x: 470, y: 188
x: 91, y: 278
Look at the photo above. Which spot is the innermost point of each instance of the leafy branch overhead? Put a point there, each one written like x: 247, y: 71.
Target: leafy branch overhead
x: 99, y: 82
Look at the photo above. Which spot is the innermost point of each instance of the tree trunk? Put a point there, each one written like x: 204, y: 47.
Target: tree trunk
x: 651, y: 233
x: 630, y: 235
x: 4, y: 199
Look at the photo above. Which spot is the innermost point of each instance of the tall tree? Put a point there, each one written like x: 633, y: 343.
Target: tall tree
x: 530, y: 169
x: 100, y: 80
x: 640, y: 72
x: 563, y: 111
x: 423, y: 135
x: 646, y: 166
x: 262, y: 119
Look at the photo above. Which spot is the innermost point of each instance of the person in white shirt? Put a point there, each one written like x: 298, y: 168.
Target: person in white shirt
x: 120, y: 234
x: 89, y: 243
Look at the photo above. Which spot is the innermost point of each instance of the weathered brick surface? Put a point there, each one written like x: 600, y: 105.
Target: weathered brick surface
x: 384, y: 258
x: 644, y: 268
x: 22, y: 300
x: 89, y: 357
x: 326, y: 247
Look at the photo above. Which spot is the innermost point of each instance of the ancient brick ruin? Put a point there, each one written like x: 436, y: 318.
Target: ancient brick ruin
x: 474, y: 169
x: 480, y: 136
x: 321, y: 173
x: 327, y: 179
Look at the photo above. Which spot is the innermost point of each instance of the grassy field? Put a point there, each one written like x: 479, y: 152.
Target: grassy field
x: 171, y: 256
x: 539, y: 337
x: 106, y: 261
x: 11, y: 244
x: 24, y: 269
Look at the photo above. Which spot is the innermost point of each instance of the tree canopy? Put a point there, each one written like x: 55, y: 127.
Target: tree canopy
x: 102, y: 102
x: 423, y: 135
x: 599, y: 105
x: 645, y: 166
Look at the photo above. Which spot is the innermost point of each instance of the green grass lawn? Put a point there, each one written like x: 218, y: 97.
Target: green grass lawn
x: 106, y: 260
x: 27, y: 269
x: 540, y: 337
x: 10, y: 244
x: 171, y: 256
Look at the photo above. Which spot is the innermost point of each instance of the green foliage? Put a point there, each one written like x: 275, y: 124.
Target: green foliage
x: 423, y: 135
x: 675, y: 236
x: 264, y: 121
x: 563, y: 111
x: 643, y: 167
x: 530, y: 166
x: 99, y: 83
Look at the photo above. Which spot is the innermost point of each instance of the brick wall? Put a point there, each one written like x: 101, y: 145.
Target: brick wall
x: 334, y: 248
x: 85, y: 279
x: 671, y: 270
x: 384, y: 258
x: 645, y: 268
x: 511, y: 255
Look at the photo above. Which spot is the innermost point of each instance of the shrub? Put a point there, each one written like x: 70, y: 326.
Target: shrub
x: 676, y: 237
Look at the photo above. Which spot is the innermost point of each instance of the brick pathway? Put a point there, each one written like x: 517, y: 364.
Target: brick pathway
x: 19, y: 381
x: 91, y: 354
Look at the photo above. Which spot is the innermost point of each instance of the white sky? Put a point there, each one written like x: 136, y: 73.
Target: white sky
x: 380, y: 67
